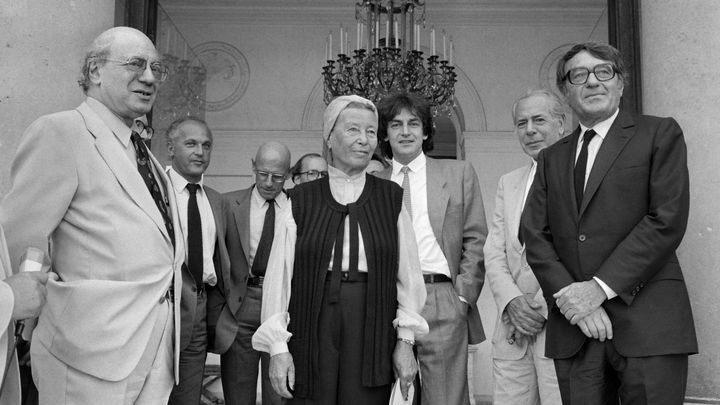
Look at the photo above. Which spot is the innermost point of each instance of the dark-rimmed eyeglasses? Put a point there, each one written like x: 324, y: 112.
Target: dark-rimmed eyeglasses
x: 311, y: 175
x: 275, y: 177
x: 138, y: 65
x: 603, y: 73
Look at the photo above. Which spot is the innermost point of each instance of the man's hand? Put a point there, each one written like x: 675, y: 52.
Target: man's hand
x: 596, y: 325
x: 282, y: 374
x: 29, y: 291
x: 405, y: 366
x: 524, y: 314
x: 579, y: 299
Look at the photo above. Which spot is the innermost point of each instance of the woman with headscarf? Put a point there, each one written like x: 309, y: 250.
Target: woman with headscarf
x: 345, y: 281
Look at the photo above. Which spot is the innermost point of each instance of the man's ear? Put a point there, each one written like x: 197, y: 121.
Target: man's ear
x: 94, y: 72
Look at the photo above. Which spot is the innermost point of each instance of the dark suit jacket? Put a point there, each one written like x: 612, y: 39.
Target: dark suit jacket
x: 188, y: 301
x: 632, y: 218
x: 225, y: 300
x: 457, y: 217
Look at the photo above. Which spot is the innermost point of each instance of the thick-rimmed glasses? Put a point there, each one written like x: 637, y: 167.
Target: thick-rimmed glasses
x: 311, y: 175
x: 580, y: 75
x: 275, y: 177
x: 138, y: 65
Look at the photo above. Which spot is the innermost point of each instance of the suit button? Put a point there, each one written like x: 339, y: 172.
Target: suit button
x: 582, y: 238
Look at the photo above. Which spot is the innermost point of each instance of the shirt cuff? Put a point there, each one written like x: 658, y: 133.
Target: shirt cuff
x: 405, y: 333
x: 278, y: 347
x: 461, y: 298
x: 608, y: 291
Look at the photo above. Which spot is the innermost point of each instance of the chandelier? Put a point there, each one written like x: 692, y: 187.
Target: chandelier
x: 381, y: 66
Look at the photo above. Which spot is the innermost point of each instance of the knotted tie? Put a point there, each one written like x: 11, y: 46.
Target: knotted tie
x: 407, y: 201
x: 581, y: 166
x: 266, y: 239
x: 194, y: 239
x: 143, y: 166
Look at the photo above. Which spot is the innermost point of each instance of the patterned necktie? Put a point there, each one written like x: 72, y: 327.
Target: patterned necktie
x: 407, y: 201
x: 581, y: 167
x: 266, y: 239
x: 143, y: 166
x: 194, y: 239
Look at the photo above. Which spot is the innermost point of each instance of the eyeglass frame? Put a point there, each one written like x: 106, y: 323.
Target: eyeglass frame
x: 274, y: 176
x: 613, y: 68
x: 164, y: 73
x: 318, y: 174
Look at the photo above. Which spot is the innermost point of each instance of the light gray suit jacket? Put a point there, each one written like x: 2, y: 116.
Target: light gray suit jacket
x: 457, y: 218
x: 76, y: 194
x: 507, y: 269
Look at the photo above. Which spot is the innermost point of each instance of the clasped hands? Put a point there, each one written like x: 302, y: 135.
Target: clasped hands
x: 580, y: 303
x: 523, y: 315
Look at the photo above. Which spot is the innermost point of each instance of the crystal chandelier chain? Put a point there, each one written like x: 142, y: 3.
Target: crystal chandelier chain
x: 381, y: 66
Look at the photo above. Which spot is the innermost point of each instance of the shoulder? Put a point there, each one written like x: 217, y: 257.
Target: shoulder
x: 237, y: 194
x: 515, y: 175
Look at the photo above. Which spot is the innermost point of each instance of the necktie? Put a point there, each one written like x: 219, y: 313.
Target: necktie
x: 581, y: 166
x: 266, y: 239
x: 143, y: 166
x: 407, y: 201
x: 194, y: 239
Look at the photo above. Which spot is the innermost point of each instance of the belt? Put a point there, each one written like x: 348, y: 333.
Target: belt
x: 362, y: 277
x: 436, y: 278
x: 255, y: 281
x: 199, y: 289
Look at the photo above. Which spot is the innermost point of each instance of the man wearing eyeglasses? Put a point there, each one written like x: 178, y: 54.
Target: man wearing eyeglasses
x: 606, y: 212
x: 87, y: 191
x: 250, y: 216
x: 309, y: 167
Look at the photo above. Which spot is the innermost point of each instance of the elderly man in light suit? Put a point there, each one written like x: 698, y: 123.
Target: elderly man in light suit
x: 86, y: 189
x: 522, y: 374
x: 444, y: 200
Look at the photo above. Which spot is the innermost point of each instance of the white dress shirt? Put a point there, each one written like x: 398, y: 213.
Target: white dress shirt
x: 258, y: 209
x: 272, y: 335
x: 601, y: 129
x: 529, y: 183
x: 432, y: 259
x: 209, y: 233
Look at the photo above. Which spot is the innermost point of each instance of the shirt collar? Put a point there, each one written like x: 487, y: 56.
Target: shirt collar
x: 259, y: 201
x: 415, y: 165
x: 179, y: 182
x: 338, y: 175
x: 116, y: 125
x: 602, y: 127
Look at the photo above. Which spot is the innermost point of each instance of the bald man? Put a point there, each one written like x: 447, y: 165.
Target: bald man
x: 250, y: 219
x: 84, y: 183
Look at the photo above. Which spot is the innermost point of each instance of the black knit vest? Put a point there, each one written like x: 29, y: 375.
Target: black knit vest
x: 319, y: 218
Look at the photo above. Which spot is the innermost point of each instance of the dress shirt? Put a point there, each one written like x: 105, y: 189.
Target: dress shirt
x: 272, y: 335
x: 432, y: 259
x: 209, y: 233
x: 601, y: 130
x: 258, y: 208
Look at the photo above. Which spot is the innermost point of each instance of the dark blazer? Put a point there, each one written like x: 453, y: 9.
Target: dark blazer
x: 225, y: 300
x: 457, y: 217
x: 631, y: 220
x: 188, y: 301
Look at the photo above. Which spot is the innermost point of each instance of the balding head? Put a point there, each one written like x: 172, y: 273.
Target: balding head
x: 272, y: 167
x: 123, y: 71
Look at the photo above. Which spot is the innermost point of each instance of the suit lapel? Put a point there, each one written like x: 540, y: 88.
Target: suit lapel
x: 617, y: 137
x: 437, y: 197
x: 241, y: 212
x: 123, y: 169
x: 515, y: 198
